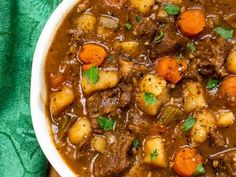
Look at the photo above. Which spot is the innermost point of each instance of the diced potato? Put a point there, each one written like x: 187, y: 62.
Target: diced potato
x: 86, y: 23
x: 164, y: 97
x: 143, y: 6
x: 60, y: 100
x: 193, y: 96
x: 130, y: 47
x: 107, y: 25
x: 107, y: 79
x: 206, y: 122
x: 125, y: 67
x: 151, y: 145
x: 231, y: 62
x: 151, y: 109
x: 225, y: 119
x: 152, y: 84
x: 99, y: 143
x: 80, y: 131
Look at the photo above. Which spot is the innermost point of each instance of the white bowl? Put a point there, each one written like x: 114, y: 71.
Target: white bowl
x: 40, y: 119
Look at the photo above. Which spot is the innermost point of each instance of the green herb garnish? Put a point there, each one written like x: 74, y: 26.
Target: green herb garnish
x: 138, y: 19
x: 172, y: 9
x: 154, y: 154
x: 149, y: 98
x: 128, y: 26
x: 92, y: 75
x: 199, y: 170
x: 159, y: 37
x: 105, y: 123
x: 188, y: 123
x: 226, y: 33
x: 191, y: 47
x: 136, y: 143
x: 212, y: 83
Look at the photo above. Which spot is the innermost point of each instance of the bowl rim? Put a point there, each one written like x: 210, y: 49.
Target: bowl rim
x: 39, y: 117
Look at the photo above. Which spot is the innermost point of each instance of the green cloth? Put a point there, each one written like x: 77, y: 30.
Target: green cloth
x: 21, y: 22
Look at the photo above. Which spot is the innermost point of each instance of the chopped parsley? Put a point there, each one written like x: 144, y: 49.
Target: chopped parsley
x: 172, y: 9
x: 136, y: 143
x: 159, y: 37
x: 191, y: 47
x: 149, y: 98
x: 199, y: 170
x: 128, y: 26
x: 92, y: 75
x: 105, y: 123
x: 154, y: 154
x: 212, y: 83
x: 188, y: 123
x: 226, y: 33
x: 138, y: 19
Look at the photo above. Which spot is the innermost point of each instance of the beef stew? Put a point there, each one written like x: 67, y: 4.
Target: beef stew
x: 145, y: 88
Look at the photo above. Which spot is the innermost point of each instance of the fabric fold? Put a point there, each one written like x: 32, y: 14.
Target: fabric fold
x: 20, y: 27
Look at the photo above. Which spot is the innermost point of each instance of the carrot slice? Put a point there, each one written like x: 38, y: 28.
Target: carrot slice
x: 92, y: 54
x: 191, y: 22
x: 228, y: 91
x: 186, y: 161
x: 171, y: 69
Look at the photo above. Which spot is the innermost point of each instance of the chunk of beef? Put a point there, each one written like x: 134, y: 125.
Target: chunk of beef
x: 109, y: 102
x: 139, y: 70
x: 107, y: 26
x: 210, y: 57
x: 145, y: 28
x: 230, y: 163
x: 137, y: 123
x: 226, y: 163
x: 217, y: 138
x: 171, y: 43
x: 126, y: 95
x: 103, y: 103
x: 138, y: 170
x: 107, y: 21
x: 192, y: 73
x: 115, y: 159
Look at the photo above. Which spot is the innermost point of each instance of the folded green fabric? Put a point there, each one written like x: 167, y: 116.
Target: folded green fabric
x: 21, y: 22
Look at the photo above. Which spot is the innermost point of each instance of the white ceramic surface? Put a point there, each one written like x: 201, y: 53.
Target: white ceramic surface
x: 37, y: 96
